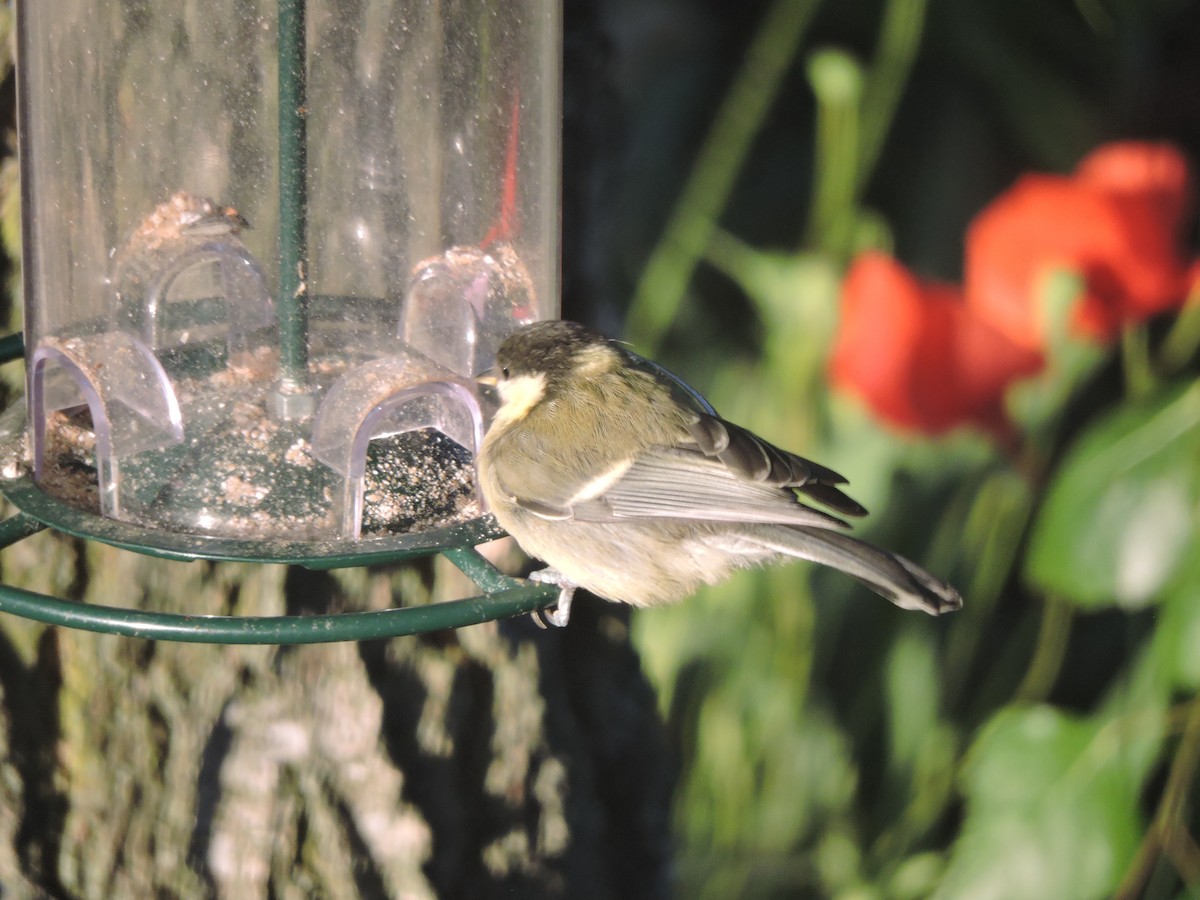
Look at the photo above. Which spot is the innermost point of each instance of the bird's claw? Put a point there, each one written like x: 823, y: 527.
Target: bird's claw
x: 561, y: 614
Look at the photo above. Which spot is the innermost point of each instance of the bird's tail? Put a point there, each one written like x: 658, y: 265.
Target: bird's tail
x: 891, y: 576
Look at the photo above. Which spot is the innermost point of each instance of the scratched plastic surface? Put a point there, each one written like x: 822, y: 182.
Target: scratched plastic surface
x: 252, y: 326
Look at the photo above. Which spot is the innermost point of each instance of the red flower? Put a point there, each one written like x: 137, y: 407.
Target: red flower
x: 1115, y: 222
x: 1156, y: 173
x: 918, y: 356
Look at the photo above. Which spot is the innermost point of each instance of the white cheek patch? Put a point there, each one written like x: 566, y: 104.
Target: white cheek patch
x: 518, y: 396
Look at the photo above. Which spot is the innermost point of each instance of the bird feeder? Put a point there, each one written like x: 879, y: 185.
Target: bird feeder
x: 268, y: 247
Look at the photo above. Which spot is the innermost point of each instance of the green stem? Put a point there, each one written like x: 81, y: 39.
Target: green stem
x: 899, y: 40
x: 1183, y: 340
x: 1135, y: 362
x: 1168, y: 819
x: 837, y: 83
x: 992, y: 536
x: 1048, y: 653
x: 660, y: 291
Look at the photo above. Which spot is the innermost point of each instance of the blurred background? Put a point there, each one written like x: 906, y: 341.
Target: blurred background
x: 1043, y: 742
x: 863, y: 230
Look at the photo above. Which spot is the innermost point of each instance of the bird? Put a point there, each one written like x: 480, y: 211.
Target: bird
x: 627, y: 483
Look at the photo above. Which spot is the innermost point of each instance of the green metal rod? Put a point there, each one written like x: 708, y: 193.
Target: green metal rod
x: 293, y: 195
x: 504, y: 597
x: 12, y: 346
x: 480, y: 570
x: 17, y: 528
x: 360, y: 626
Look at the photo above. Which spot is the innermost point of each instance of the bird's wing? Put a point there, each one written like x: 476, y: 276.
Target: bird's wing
x: 716, y: 471
x: 751, y: 459
x: 681, y: 484
x: 744, y: 453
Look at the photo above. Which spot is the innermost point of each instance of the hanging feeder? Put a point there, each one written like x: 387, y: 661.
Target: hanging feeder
x: 268, y: 247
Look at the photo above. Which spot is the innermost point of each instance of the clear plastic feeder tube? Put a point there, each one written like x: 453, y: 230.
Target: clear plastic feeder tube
x: 257, y: 226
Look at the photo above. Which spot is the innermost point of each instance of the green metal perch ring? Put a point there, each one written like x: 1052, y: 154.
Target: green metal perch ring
x: 502, y: 595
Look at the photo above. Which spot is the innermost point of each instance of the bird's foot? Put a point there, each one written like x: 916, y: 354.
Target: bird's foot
x: 566, y: 592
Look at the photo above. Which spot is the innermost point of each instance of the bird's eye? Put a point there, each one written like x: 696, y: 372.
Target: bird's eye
x: 504, y: 371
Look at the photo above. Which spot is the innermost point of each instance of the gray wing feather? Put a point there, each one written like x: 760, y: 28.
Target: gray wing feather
x: 891, y: 576
x: 745, y: 453
x: 688, y: 485
x: 750, y: 457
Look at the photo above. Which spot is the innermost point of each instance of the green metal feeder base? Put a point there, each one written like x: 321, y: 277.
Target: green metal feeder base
x: 503, y: 596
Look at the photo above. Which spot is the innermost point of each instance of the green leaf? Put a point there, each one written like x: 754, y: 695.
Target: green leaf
x: 1123, y: 509
x: 1175, y: 645
x: 1048, y: 814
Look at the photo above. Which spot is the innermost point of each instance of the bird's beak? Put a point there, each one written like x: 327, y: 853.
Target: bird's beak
x: 488, y: 378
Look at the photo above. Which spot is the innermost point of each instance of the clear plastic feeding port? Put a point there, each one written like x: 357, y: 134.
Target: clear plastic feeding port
x: 264, y: 271
x: 163, y: 418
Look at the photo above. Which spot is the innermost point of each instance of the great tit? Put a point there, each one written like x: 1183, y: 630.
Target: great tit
x: 627, y: 483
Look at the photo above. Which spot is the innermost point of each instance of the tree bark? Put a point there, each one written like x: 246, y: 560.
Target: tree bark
x: 497, y: 760
x: 494, y: 761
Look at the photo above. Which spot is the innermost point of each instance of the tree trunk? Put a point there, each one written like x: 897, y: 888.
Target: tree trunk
x: 497, y: 760
x: 490, y: 760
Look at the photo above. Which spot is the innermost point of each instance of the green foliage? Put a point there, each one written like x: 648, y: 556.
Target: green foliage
x: 1044, y: 742
x: 1134, y: 480
x: 1049, y: 813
